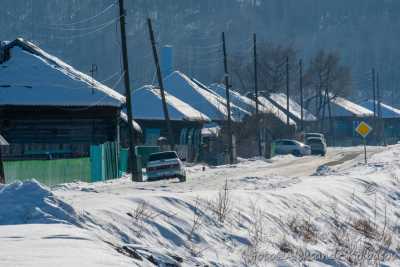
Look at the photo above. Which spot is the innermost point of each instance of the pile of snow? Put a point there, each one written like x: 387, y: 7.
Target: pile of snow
x: 31, y: 203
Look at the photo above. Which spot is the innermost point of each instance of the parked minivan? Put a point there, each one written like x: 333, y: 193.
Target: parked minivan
x: 318, y: 145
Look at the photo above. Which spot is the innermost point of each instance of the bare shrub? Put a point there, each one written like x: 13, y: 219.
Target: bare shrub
x: 365, y: 227
x: 222, y: 205
x: 140, y: 215
x: 196, y: 221
x: 284, y: 246
x: 253, y: 254
x: 304, y: 229
x: 359, y: 241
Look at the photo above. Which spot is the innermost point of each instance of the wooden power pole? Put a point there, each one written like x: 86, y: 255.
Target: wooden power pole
x: 373, y: 91
x: 381, y: 123
x: 287, y: 92
x: 228, y: 102
x: 301, y: 94
x: 135, y: 174
x: 171, y: 138
x: 256, y: 95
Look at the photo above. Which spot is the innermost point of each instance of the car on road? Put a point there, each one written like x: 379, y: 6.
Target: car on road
x: 294, y: 147
x: 318, y: 145
x: 165, y: 165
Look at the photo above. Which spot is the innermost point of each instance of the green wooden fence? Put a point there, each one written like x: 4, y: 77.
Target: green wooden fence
x: 105, y: 163
x: 49, y: 172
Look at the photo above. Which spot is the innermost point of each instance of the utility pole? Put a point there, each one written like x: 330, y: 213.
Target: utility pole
x: 228, y: 102
x: 171, y: 138
x: 301, y: 94
x: 93, y: 71
x: 287, y: 92
x: 135, y: 174
x: 256, y: 95
x: 380, y: 119
x: 378, y: 96
x: 373, y: 90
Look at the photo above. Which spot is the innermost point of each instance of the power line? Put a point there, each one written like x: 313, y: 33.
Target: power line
x: 81, y: 35
x: 87, y: 19
x: 84, y: 28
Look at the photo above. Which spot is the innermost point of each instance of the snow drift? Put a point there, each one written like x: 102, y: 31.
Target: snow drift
x: 31, y: 203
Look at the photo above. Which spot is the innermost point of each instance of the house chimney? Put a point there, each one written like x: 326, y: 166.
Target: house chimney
x: 167, y: 60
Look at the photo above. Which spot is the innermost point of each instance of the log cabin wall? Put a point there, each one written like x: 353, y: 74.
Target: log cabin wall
x: 65, y: 130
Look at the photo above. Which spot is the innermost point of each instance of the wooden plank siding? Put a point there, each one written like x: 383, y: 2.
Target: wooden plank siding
x: 67, y: 129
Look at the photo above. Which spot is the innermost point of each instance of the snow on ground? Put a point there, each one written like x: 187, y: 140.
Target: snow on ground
x: 332, y: 211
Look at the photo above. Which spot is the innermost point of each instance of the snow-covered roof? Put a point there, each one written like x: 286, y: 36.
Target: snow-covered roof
x: 271, y: 108
x: 32, y: 77
x: 236, y: 98
x: 386, y: 110
x: 345, y: 108
x: 147, y: 105
x: 294, y: 107
x: 210, y: 104
x: 136, y: 126
x: 3, y: 141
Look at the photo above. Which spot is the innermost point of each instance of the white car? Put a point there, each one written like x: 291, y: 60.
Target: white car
x: 165, y: 165
x: 287, y: 146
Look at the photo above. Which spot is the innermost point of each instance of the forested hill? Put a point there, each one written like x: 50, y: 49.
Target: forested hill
x: 365, y: 32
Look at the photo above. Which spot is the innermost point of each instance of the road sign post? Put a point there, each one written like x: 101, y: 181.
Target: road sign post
x: 364, y: 129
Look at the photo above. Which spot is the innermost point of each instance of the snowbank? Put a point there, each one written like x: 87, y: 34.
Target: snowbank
x: 282, y: 212
x: 31, y: 203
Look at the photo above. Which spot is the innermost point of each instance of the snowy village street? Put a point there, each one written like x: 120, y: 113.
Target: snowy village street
x: 82, y: 224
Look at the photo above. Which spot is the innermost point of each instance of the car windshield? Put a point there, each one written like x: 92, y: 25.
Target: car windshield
x: 314, y: 135
x: 162, y: 155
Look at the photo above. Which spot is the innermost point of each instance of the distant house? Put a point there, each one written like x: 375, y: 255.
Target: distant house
x: 391, y: 119
x: 200, y: 98
x: 48, y: 109
x: 272, y: 122
x: 280, y: 101
x: 345, y: 116
x: 186, y: 121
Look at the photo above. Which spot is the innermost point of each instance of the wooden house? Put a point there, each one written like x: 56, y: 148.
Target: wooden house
x: 49, y: 109
x: 345, y: 117
x: 390, y: 118
x: 201, y: 98
x: 272, y: 123
x: 186, y: 121
x: 295, y: 111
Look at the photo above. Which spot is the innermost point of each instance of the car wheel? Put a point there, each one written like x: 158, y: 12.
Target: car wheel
x: 182, y: 178
x: 296, y: 153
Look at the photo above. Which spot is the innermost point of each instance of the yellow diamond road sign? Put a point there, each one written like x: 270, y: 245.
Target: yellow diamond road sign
x: 363, y: 129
